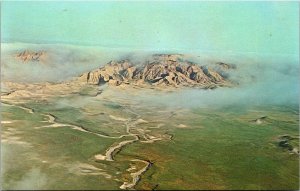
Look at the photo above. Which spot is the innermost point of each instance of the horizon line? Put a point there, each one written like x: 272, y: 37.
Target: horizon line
x: 139, y: 48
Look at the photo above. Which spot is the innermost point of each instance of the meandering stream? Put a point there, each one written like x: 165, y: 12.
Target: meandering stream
x: 111, y: 151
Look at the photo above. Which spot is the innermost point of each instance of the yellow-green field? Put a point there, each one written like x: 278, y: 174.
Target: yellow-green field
x: 198, y: 148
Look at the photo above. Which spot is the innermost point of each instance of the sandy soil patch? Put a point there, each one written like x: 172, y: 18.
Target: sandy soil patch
x: 88, y: 169
x: 181, y: 126
x: 100, y: 157
x: 117, y: 118
x: 6, y: 122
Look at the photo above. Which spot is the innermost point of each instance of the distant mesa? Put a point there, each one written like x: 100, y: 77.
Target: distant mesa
x: 160, y: 70
x: 31, y: 56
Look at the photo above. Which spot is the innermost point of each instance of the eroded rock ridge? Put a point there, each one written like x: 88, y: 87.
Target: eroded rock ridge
x: 161, y: 70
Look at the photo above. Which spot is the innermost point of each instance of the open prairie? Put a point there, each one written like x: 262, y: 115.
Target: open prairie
x: 103, y: 142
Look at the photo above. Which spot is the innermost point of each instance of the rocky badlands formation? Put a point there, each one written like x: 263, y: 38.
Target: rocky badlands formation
x: 160, y: 70
x: 27, y: 56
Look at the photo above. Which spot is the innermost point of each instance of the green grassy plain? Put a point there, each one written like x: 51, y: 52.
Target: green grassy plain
x: 223, y: 150
x: 213, y: 148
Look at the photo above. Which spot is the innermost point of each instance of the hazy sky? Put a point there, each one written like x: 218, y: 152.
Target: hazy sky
x: 264, y: 27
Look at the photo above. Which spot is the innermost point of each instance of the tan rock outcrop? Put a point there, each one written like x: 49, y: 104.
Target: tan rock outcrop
x: 162, y: 70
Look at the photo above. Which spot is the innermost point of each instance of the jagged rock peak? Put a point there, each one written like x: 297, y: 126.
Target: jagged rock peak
x: 160, y: 70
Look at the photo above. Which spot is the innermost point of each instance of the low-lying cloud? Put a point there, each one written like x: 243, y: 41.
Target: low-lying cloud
x: 263, y: 79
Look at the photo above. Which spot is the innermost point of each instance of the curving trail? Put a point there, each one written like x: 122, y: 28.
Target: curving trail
x: 29, y: 110
x: 52, y: 119
x: 109, y: 154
